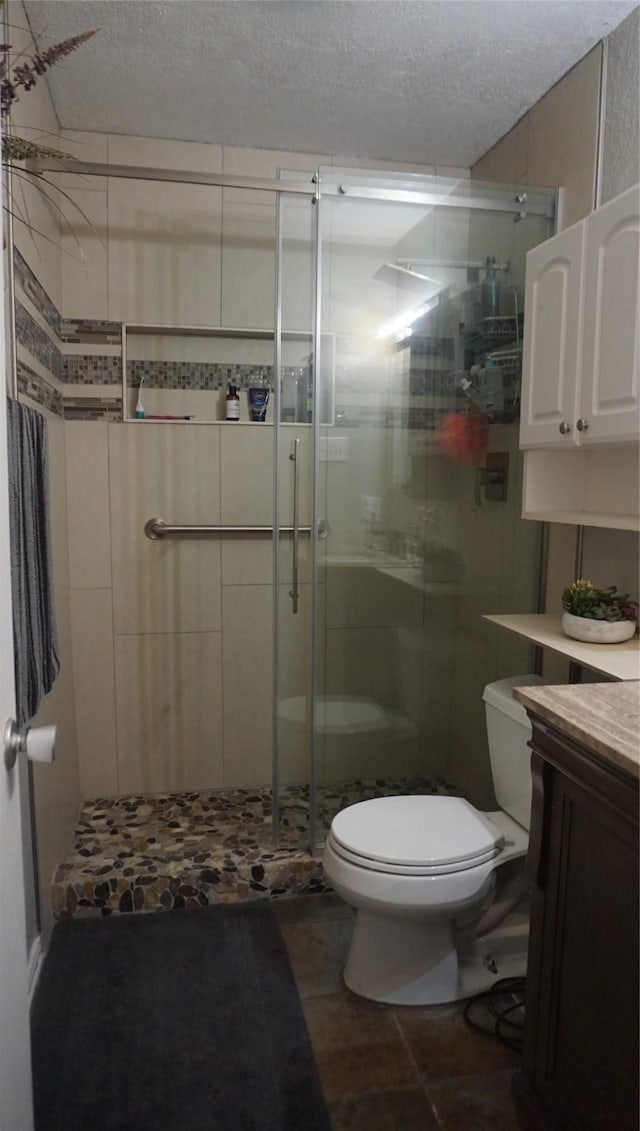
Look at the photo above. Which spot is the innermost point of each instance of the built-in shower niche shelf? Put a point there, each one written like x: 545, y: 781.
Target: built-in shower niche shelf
x: 181, y: 373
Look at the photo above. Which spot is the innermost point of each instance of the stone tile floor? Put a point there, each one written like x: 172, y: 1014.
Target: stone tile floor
x: 157, y: 852
x: 387, y: 1068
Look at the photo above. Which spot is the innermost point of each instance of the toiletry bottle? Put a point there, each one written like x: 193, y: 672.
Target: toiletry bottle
x: 491, y: 289
x: 139, y: 404
x: 310, y: 392
x: 258, y: 396
x: 232, y: 405
x: 305, y: 392
x: 288, y: 395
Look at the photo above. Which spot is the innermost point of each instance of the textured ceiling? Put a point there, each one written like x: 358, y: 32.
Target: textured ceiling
x: 406, y: 80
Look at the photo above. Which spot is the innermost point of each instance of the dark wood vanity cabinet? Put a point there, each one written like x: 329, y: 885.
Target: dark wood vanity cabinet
x: 580, y: 1061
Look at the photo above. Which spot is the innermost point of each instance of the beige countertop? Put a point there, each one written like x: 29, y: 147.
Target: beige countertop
x: 603, y: 716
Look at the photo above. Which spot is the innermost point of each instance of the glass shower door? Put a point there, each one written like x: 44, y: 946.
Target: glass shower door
x: 293, y: 543
x: 418, y: 475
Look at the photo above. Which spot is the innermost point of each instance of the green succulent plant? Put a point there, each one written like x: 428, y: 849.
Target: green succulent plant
x: 584, y: 599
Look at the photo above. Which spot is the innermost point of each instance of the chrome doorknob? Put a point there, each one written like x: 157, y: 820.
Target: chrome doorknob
x: 564, y: 428
x: 582, y: 425
x: 38, y: 743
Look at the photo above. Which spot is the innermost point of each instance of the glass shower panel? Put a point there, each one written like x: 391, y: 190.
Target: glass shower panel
x: 418, y: 473
x: 293, y: 545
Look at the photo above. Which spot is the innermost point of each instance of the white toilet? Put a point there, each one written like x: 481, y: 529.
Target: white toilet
x: 421, y: 872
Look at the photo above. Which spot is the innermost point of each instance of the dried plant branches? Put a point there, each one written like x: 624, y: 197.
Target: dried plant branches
x: 22, y: 75
x: 19, y: 149
x: 25, y: 75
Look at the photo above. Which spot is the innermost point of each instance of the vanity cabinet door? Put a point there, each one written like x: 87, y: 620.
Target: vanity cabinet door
x: 552, y: 332
x: 580, y: 1062
x: 610, y: 397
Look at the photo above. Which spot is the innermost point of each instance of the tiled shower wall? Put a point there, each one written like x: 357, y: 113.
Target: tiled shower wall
x: 173, y: 639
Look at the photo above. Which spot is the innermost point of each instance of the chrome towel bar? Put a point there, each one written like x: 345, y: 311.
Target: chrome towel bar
x: 157, y: 528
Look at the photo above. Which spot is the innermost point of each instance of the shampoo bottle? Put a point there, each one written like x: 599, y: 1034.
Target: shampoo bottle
x: 258, y: 396
x: 232, y: 404
x: 491, y: 289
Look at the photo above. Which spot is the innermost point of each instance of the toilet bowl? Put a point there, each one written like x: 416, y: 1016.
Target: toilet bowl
x: 422, y: 871
x: 357, y: 737
x: 338, y: 714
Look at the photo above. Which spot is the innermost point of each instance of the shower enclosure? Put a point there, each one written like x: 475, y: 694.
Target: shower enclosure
x: 399, y: 418
x: 311, y: 626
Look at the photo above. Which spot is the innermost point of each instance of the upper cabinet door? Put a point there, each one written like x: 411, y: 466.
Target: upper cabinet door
x: 552, y: 329
x: 609, y: 401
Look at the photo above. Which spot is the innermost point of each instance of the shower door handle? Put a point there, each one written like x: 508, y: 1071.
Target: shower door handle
x: 295, y: 459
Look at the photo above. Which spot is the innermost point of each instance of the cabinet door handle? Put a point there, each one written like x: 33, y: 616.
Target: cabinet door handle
x: 564, y: 428
x: 582, y: 425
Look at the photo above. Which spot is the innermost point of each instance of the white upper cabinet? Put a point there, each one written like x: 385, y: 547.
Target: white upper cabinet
x: 580, y: 362
x: 609, y: 399
x: 552, y: 322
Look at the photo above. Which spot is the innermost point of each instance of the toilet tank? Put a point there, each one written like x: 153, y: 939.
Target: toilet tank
x: 508, y: 732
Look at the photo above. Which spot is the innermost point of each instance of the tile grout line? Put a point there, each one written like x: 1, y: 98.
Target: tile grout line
x: 422, y: 1083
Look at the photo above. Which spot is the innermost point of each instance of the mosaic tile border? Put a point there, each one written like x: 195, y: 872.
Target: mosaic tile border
x: 105, y: 369
x: 91, y: 369
x: 424, y: 346
x: 206, y: 376
x: 155, y: 853
x: 90, y: 331
x: 93, y: 408
x: 87, y: 370
x: 33, y: 288
x: 34, y: 386
x: 36, y: 340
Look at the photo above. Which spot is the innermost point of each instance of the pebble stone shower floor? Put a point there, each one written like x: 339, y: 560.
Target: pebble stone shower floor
x: 154, y: 853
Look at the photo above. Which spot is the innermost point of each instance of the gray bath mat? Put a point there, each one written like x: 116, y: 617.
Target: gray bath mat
x: 176, y: 1021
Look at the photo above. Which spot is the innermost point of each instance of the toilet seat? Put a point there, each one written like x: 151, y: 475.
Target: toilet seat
x: 415, y: 835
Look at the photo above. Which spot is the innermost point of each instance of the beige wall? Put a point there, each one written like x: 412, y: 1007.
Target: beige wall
x: 557, y: 143
x: 611, y: 557
x: 621, y: 132
x: 56, y: 790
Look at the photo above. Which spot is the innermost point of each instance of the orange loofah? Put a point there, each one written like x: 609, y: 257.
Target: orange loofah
x: 464, y: 436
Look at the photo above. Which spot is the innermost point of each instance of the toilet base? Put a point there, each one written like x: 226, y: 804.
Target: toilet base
x: 416, y: 962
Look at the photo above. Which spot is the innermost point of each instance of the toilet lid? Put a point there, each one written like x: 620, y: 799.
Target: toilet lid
x: 416, y: 832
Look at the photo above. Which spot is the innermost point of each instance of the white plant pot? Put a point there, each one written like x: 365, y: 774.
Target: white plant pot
x: 597, y: 631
